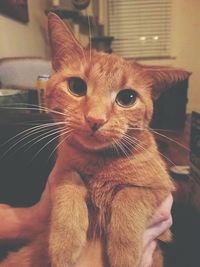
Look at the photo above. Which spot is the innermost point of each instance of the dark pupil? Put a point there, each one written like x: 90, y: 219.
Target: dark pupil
x: 77, y: 86
x: 126, y: 97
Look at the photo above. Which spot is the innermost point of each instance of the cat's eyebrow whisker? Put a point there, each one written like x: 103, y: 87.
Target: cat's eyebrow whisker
x: 50, y: 141
x: 90, y: 35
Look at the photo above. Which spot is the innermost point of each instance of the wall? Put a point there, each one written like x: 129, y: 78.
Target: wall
x: 186, y: 46
x: 19, y: 39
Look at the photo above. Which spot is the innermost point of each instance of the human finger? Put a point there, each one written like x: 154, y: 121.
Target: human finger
x: 163, y: 213
x: 155, y: 231
x: 147, y: 256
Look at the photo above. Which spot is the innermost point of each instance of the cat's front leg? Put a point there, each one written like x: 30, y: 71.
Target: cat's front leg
x: 69, y: 224
x: 126, y: 229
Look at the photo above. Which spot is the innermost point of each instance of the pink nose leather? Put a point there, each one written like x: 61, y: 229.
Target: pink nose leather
x: 95, y: 122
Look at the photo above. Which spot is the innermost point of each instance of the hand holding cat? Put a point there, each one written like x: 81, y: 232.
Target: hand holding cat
x: 24, y: 223
x: 161, y: 221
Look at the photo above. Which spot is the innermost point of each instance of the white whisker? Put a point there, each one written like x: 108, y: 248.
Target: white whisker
x: 138, y: 147
x: 118, y: 143
x: 28, y: 108
x: 68, y: 131
x: 48, y: 109
x: 90, y: 35
x: 137, y: 143
x: 162, y: 135
x: 170, y: 139
x: 41, y: 137
x: 14, y: 145
x: 32, y: 130
x: 59, y: 144
x: 115, y: 147
x: 44, y: 136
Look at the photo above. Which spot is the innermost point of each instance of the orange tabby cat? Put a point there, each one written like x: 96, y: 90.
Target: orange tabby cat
x: 106, y: 105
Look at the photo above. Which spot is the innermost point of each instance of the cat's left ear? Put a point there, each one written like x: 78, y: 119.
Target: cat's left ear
x: 64, y: 46
x: 163, y: 78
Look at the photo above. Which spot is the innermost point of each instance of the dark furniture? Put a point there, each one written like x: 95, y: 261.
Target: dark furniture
x: 22, y: 181
x: 170, y: 108
x: 23, y: 167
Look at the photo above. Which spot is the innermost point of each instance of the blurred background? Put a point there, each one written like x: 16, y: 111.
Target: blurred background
x: 179, y: 22
x: 154, y: 32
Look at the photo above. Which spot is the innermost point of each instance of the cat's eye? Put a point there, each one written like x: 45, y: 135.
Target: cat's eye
x: 126, y: 98
x: 77, y: 86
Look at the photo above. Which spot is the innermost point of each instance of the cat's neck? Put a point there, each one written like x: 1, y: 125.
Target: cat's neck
x: 132, y: 169
x: 71, y: 153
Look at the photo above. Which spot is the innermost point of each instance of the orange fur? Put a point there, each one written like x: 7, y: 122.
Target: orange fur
x: 122, y: 188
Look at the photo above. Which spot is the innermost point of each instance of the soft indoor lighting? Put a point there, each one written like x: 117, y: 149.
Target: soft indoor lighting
x: 143, y: 38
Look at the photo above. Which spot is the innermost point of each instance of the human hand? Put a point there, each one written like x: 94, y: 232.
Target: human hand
x: 161, y: 221
x: 24, y: 223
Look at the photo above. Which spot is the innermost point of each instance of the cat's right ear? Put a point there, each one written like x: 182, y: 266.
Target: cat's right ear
x: 64, y: 46
x: 161, y: 78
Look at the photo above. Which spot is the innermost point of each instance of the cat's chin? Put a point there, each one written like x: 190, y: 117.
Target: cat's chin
x: 91, y: 145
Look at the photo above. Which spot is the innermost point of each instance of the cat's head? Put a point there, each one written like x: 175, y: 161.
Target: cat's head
x: 104, y: 97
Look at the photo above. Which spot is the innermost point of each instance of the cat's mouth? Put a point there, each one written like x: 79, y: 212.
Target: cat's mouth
x: 92, y: 141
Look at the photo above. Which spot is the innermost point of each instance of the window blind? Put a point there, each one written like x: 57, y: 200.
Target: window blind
x: 141, y: 28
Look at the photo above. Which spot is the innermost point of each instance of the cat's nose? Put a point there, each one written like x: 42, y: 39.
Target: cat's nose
x: 95, y: 122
